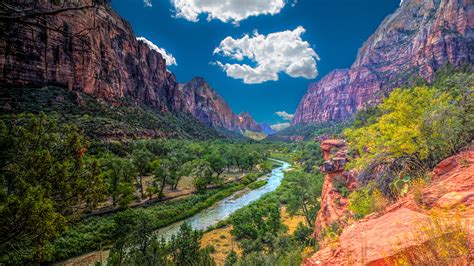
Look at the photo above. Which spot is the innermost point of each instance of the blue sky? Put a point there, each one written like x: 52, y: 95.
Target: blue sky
x: 333, y: 29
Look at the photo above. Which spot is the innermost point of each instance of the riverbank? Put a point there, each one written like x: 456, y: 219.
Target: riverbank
x: 95, y: 233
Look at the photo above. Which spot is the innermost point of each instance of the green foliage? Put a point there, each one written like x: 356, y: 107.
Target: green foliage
x: 257, y: 184
x: 126, y: 120
x: 303, y: 234
x: 366, y: 200
x: 301, y: 195
x: 135, y: 245
x: 42, y: 176
x: 141, y: 161
x: 339, y: 183
x: 257, y: 226
x: 309, y: 155
x: 231, y: 258
x: 426, y: 123
x: 97, y: 232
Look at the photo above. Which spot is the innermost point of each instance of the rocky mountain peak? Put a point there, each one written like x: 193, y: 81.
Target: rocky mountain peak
x: 417, y: 39
x: 93, y: 50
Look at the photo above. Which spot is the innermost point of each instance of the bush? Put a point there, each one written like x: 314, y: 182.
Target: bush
x: 257, y: 184
x: 366, y: 200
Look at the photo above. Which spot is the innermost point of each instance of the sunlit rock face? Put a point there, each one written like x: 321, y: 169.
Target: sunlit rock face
x: 446, y: 203
x: 419, y: 38
x: 95, y: 51
x: 204, y: 103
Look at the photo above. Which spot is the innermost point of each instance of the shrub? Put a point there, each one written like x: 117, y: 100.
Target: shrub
x: 257, y: 184
x: 366, y: 200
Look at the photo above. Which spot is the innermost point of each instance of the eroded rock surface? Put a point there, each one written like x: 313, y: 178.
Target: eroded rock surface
x: 94, y: 50
x: 419, y: 38
x: 379, y: 237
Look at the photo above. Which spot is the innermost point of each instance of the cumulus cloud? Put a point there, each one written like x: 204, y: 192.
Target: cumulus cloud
x: 285, y: 115
x: 277, y: 52
x: 170, y: 60
x: 280, y: 127
x: 147, y: 3
x: 226, y: 10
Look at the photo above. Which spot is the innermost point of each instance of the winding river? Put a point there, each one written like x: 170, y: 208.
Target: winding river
x: 223, y: 209
x: 206, y: 218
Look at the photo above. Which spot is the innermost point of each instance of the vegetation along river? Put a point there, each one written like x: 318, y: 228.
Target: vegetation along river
x: 206, y: 218
x: 223, y: 209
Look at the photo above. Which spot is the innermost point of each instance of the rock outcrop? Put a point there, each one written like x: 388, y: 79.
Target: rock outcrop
x: 333, y: 211
x: 419, y: 38
x: 91, y: 49
x: 410, y: 225
x: 199, y: 99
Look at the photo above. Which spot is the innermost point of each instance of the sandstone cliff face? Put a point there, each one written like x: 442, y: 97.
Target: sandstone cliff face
x: 95, y: 51
x: 247, y: 122
x: 411, y: 223
x: 199, y: 99
x: 420, y: 37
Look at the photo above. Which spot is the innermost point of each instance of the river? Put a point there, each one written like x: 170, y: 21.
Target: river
x: 223, y: 209
x: 206, y: 218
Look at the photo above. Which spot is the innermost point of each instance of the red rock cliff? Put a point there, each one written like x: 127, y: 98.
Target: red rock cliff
x: 204, y: 103
x: 410, y: 225
x: 420, y: 37
x: 92, y: 49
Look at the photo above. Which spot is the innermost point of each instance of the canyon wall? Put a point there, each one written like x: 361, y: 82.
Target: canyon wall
x: 90, y: 48
x: 419, y: 38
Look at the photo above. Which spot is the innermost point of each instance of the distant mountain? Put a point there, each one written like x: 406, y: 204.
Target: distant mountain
x: 85, y: 46
x: 267, y: 129
x: 419, y: 38
x: 199, y: 99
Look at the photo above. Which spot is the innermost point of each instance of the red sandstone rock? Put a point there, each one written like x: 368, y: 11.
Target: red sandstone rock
x: 199, y: 99
x: 376, y: 239
x: 333, y: 205
x: 420, y: 37
x: 105, y: 61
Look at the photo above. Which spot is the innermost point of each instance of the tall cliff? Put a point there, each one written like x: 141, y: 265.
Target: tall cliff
x: 85, y: 46
x: 419, y: 38
x: 199, y: 99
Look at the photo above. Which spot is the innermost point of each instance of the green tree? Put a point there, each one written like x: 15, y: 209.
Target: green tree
x: 141, y: 160
x: 302, y: 194
x: 42, y: 178
x: 120, y: 174
x: 162, y: 174
x: 216, y: 162
x: 418, y: 122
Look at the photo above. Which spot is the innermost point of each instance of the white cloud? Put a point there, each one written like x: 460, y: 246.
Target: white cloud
x: 226, y: 10
x: 285, y: 115
x: 147, y: 3
x: 170, y: 60
x: 273, y: 53
x: 280, y: 127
